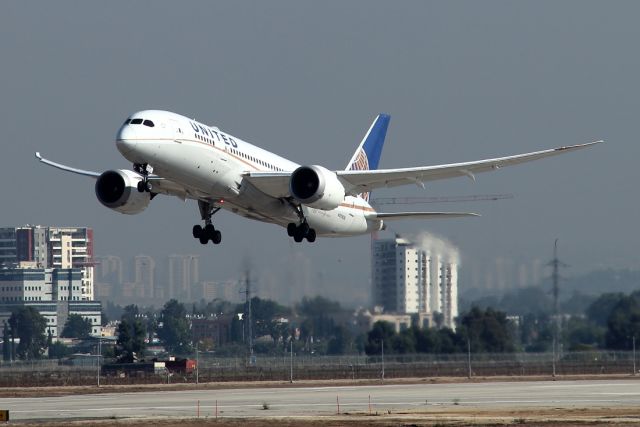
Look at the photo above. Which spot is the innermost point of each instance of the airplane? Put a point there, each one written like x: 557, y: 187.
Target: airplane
x: 177, y: 156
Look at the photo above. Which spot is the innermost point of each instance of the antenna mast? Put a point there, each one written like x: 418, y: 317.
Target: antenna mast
x: 249, y: 321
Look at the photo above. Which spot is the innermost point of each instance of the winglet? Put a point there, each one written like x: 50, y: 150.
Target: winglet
x: 38, y: 156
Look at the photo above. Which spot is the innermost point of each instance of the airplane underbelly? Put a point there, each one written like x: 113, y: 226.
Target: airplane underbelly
x: 193, y: 165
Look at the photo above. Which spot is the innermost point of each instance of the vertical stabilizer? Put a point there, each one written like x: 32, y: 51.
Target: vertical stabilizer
x: 367, y: 155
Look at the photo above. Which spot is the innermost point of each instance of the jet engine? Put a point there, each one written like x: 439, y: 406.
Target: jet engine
x: 117, y: 190
x: 316, y: 187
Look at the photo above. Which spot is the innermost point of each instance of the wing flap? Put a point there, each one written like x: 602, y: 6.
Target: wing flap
x: 274, y: 184
x: 390, y: 216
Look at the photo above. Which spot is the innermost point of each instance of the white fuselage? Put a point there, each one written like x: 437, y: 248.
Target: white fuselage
x: 210, y: 165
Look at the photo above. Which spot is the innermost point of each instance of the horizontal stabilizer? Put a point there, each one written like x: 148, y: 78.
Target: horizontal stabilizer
x: 422, y: 215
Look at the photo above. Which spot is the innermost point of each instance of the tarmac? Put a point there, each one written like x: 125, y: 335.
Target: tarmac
x: 329, y: 400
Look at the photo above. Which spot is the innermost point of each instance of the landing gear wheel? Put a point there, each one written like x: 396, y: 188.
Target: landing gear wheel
x: 209, y: 229
x: 291, y: 229
x: 304, y: 228
x: 148, y: 187
x: 141, y: 186
x: 298, y: 236
x: 311, y: 235
x: 208, y: 232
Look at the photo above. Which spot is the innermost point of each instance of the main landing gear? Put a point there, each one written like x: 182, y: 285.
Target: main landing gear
x: 208, y: 232
x: 143, y: 169
x: 302, y: 230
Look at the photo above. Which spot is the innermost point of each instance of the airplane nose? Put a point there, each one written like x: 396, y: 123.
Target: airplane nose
x: 126, y: 138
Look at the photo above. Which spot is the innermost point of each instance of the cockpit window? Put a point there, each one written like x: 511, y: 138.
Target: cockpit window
x: 126, y: 122
x: 148, y: 123
x: 136, y: 121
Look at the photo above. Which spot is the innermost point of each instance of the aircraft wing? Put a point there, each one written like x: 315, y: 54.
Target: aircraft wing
x: 66, y: 168
x: 276, y: 184
x: 421, y: 215
x: 359, y: 181
x: 160, y: 185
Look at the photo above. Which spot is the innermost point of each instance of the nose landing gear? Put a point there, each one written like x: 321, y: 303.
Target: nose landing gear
x: 143, y: 169
x: 208, y: 232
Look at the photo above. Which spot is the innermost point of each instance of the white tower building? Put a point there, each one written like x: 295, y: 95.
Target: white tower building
x: 410, y: 278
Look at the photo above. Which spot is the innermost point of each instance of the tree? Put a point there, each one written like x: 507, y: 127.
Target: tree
x: 104, y: 319
x: 58, y: 350
x: 130, y: 343
x: 600, y: 310
x: 29, y: 326
x: 175, y: 333
x: 381, y: 332
x: 76, y: 327
x: 582, y: 334
x: 318, y: 306
x: 488, y: 331
x: 624, y: 323
x: 130, y: 312
x: 341, y: 342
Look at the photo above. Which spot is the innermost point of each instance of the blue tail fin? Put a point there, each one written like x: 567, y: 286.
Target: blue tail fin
x: 367, y: 155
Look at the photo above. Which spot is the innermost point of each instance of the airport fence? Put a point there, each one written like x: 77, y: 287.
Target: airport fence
x: 285, y: 368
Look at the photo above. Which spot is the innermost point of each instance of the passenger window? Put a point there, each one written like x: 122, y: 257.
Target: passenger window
x: 136, y: 121
x: 148, y: 123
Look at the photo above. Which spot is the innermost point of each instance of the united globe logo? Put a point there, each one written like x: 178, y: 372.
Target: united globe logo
x: 361, y: 163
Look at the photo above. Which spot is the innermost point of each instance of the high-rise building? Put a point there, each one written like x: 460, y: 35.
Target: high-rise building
x: 51, y: 247
x: 144, y: 275
x: 109, y: 269
x: 108, y: 276
x: 412, y: 279
x: 183, y: 275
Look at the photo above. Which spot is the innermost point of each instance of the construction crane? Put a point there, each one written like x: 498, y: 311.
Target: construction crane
x: 438, y: 199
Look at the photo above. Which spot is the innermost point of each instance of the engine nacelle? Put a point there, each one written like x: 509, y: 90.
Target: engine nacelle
x: 117, y: 190
x: 317, y: 187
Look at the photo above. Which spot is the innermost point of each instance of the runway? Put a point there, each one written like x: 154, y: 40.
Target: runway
x: 323, y: 401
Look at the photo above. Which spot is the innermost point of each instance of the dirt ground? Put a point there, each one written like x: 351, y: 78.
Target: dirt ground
x: 629, y: 416
x: 72, y: 390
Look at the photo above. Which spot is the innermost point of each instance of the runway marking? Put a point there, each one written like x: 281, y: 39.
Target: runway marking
x: 362, y: 403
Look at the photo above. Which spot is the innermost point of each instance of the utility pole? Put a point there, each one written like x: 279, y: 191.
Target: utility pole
x: 634, y: 355
x: 382, y: 351
x: 291, y: 361
x: 197, y: 364
x: 469, y: 356
x: 555, y: 276
x: 99, y: 358
x: 247, y: 316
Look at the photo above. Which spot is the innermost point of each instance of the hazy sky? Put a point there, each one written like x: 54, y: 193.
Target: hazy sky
x: 461, y: 80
